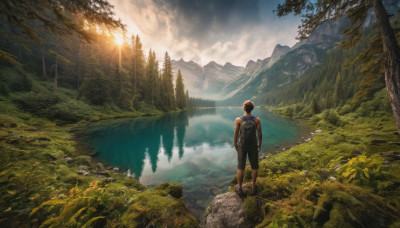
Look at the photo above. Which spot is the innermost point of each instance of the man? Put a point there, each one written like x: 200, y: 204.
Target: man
x: 245, y: 130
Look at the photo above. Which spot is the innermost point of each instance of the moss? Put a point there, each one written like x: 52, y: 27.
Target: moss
x: 297, y: 188
x: 175, y: 190
x: 41, y: 187
x: 151, y: 207
x: 83, y: 160
x: 247, y: 174
x: 251, y: 210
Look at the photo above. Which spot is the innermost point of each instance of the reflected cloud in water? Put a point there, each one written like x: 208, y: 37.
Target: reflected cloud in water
x: 193, y: 148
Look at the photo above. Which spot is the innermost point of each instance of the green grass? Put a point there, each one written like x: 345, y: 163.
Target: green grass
x: 338, y: 179
x: 45, y: 182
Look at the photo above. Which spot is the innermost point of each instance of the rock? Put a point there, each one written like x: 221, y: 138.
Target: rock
x: 32, y: 139
x: 115, y: 169
x: 378, y: 141
x: 104, y: 173
x: 331, y: 178
x: 337, y: 167
x: 318, y: 131
x: 83, y: 172
x: 109, y: 179
x: 225, y: 210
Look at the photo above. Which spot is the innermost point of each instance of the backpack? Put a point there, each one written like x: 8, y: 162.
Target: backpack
x: 247, y: 132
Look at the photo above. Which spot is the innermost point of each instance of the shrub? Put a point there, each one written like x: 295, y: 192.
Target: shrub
x: 37, y: 103
x: 71, y: 111
x: 15, y: 80
x: 331, y: 117
x: 345, y: 109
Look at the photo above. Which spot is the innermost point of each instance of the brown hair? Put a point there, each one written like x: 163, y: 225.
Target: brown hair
x: 248, y: 106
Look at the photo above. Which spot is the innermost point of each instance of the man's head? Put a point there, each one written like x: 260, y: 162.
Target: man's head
x: 248, y: 106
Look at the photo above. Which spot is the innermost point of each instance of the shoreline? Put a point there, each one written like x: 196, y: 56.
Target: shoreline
x: 83, y: 149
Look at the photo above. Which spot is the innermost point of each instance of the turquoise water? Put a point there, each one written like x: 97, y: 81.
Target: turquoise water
x: 192, y: 148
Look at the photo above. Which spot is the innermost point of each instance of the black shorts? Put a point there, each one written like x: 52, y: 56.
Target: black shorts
x: 242, y: 154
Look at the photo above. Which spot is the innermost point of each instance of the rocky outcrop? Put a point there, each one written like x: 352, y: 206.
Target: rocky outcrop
x: 208, y: 80
x: 278, y: 52
x: 226, y: 210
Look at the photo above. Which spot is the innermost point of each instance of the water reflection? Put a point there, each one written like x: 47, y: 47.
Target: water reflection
x: 127, y: 143
x: 193, y: 148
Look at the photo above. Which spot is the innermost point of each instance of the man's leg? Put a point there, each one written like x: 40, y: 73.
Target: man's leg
x: 253, y: 157
x: 241, y: 166
x: 240, y: 178
x: 254, y: 173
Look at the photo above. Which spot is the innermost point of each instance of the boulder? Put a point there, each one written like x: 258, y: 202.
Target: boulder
x: 226, y: 210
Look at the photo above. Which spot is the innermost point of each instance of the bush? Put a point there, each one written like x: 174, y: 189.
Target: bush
x: 345, y: 109
x: 71, y: 111
x: 331, y: 117
x: 4, y: 89
x: 378, y: 106
x: 37, y: 102
x: 14, y: 80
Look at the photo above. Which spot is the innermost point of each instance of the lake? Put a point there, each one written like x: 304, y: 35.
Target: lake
x: 193, y: 148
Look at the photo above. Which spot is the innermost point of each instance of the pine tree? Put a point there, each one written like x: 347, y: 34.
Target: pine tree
x: 316, y: 12
x: 138, y: 67
x: 180, y: 91
x: 95, y: 87
x: 57, y: 16
x: 167, y: 84
x: 151, y: 77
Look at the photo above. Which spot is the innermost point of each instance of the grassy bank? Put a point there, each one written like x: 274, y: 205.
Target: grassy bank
x: 46, y: 183
x: 348, y: 175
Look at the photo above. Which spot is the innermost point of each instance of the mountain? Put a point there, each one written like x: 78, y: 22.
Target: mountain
x: 284, y: 66
x: 315, y: 58
x: 206, y: 81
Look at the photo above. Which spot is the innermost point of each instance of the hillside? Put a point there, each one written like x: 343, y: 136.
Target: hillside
x: 206, y: 81
x: 48, y: 179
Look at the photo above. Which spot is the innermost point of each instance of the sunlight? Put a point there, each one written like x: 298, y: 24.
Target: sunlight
x: 119, y: 39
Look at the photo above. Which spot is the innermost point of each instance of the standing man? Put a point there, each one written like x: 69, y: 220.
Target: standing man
x: 246, y: 143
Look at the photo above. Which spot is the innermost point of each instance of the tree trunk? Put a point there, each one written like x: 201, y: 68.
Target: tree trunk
x: 43, y: 69
x: 391, y: 52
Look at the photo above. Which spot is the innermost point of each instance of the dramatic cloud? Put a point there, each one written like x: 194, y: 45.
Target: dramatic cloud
x: 204, y: 30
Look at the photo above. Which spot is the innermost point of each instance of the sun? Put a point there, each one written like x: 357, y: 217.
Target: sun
x: 119, y: 40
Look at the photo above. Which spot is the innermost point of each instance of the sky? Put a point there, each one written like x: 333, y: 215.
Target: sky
x: 234, y: 31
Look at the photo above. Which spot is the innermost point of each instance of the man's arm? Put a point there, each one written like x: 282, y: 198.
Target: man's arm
x: 235, y: 135
x: 259, y: 133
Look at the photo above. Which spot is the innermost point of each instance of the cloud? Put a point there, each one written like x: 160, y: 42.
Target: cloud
x: 208, y: 30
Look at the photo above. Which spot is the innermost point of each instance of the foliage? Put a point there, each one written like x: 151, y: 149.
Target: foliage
x: 181, y: 101
x: 47, y: 182
x: 199, y: 102
x: 251, y: 210
x: 339, y: 178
